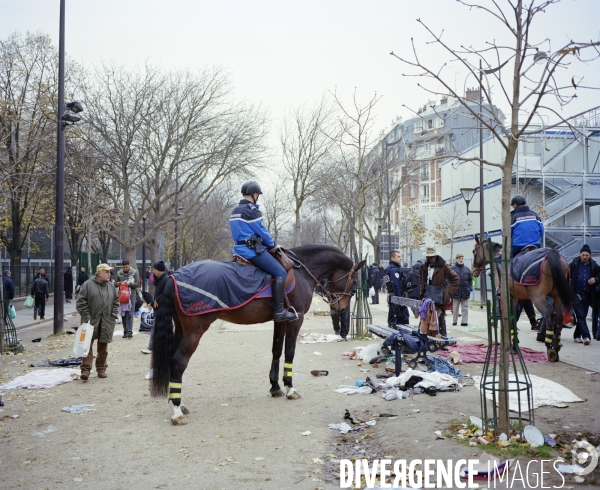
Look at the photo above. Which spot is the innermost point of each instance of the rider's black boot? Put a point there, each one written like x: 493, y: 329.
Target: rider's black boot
x: 281, y: 314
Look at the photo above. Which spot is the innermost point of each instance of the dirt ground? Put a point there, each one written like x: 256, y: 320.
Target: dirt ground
x: 238, y: 436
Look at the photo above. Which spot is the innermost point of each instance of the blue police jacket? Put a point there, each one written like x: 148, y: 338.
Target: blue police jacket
x: 396, y: 275
x: 246, y: 221
x: 526, y: 227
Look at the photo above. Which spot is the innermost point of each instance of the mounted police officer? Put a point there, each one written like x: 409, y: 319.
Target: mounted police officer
x: 397, y: 315
x: 252, y: 240
x: 526, y: 226
x: 527, y: 230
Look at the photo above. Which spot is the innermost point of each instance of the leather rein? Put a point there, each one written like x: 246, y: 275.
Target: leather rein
x: 331, y: 298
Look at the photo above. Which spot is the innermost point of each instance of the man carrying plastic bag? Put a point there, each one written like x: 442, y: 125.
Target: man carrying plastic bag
x: 98, y: 304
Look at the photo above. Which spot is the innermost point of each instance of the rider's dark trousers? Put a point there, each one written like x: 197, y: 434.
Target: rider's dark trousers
x: 581, y: 305
x: 341, y: 321
x: 266, y: 262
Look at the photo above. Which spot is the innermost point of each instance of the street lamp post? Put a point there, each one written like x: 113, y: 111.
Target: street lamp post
x: 144, y: 253
x: 63, y: 119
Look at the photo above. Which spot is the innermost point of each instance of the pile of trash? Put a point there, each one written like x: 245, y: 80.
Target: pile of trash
x: 412, y: 382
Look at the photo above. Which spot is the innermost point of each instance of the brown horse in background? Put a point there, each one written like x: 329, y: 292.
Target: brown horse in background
x: 173, y: 347
x: 554, y: 283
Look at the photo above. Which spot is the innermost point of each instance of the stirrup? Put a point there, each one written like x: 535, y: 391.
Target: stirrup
x: 280, y: 316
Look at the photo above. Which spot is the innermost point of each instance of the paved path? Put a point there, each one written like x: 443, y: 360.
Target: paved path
x: 584, y: 356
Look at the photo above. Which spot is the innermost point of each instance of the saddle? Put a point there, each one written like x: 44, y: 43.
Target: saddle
x: 280, y: 256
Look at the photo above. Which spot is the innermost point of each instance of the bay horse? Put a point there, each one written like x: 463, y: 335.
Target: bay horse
x: 554, y: 282
x: 173, y: 347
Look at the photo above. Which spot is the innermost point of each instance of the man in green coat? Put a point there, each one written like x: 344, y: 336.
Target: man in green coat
x: 98, y: 304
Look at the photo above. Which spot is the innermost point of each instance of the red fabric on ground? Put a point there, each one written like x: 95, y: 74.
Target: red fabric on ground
x: 477, y: 353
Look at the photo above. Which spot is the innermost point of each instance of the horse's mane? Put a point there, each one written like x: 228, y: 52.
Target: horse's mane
x: 312, y: 249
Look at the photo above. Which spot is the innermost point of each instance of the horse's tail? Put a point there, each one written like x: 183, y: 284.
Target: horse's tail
x: 163, y: 340
x: 560, y: 281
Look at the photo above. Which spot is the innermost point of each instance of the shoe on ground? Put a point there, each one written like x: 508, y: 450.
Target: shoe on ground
x: 124, y: 335
x: 35, y: 314
x: 344, y: 338
x: 336, y: 332
x: 84, y: 376
x: 539, y: 338
x: 578, y: 340
x: 41, y: 318
x: 150, y: 374
x: 444, y: 348
x: 454, y: 324
x: 146, y: 351
x: 130, y: 335
x: 102, y: 375
x: 464, y: 324
x: 586, y: 341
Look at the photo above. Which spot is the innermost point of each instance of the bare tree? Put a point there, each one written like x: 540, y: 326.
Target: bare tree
x: 165, y: 137
x: 547, y: 88
x: 306, y: 141
x: 449, y: 226
x: 412, y: 231
x: 27, y: 128
x: 275, y: 208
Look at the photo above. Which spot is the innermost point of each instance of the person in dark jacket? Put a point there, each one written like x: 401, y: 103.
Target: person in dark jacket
x: 252, y: 241
x: 460, y: 299
x: 68, y: 285
x: 397, y: 315
x: 40, y: 292
x: 161, y: 276
x: 374, y: 281
x: 9, y: 290
x: 436, y: 272
x: 81, y: 277
x: 584, y: 275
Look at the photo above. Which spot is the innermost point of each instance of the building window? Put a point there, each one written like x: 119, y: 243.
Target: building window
x: 425, y: 191
x: 429, y: 123
x: 425, y: 172
x: 411, y: 191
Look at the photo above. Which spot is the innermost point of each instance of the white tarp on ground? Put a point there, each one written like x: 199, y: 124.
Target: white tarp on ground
x: 439, y: 380
x: 545, y: 392
x: 42, y: 378
x: 315, y: 338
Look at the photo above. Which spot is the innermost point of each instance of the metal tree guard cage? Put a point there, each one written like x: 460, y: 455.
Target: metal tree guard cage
x: 509, y: 376
x: 8, y: 334
x: 361, y: 314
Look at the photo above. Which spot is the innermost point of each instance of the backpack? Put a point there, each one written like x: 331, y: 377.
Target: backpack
x: 124, y: 293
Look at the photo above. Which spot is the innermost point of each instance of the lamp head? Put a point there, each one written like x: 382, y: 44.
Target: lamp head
x: 75, y: 106
x: 540, y: 57
x: 71, y: 118
x: 468, y: 194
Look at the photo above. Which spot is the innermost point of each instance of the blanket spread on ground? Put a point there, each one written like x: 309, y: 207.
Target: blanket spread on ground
x: 477, y: 353
x: 526, y: 267
x: 208, y: 286
x: 545, y: 392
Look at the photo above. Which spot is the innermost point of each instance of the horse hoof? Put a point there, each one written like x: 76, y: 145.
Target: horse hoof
x: 181, y: 420
x: 552, y: 355
x: 277, y: 393
x: 293, y: 394
x: 185, y: 410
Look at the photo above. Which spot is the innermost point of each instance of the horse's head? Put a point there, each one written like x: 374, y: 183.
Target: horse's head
x: 478, y: 259
x: 481, y: 254
x: 341, y: 286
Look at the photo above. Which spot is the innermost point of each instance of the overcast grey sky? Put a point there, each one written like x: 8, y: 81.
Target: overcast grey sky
x: 283, y: 53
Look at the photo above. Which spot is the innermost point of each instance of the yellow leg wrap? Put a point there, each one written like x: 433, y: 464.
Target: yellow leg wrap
x: 175, y: 385
x: 287, y: 370
x: 174, y: 395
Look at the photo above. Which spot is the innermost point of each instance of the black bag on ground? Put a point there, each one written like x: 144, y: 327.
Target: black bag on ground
x: 435, y: 293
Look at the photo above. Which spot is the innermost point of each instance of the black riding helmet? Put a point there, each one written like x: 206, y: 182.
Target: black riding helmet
x: 251, y: 187
x: 518, y: 200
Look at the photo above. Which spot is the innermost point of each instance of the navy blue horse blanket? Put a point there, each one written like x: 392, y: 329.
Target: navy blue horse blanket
x: 208, y: 286
x: 527, y: 266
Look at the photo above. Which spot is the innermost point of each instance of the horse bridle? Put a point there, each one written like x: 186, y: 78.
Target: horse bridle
x: 330, y: 298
